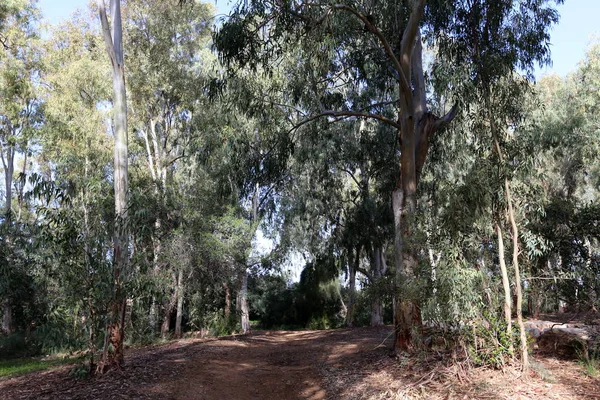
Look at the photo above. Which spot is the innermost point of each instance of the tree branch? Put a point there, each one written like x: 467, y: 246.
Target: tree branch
x: 365, y: 273
x: 348, y: 114
x: 402, y: 76
x: 410, y: 33
x: 419, y: 94
x: 110, y: 48
x: 352, y: 176
x: 446, y: 119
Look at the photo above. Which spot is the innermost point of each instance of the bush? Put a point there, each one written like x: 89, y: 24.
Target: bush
x: 18, y: 345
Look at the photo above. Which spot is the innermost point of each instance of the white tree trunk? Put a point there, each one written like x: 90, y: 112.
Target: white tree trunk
x: 179, y: 315
x: 113, y: 39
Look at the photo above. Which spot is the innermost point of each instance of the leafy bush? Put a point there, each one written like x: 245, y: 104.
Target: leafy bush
x: 488, y: 342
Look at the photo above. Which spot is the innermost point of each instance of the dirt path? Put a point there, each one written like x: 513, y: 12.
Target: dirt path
x: 263, y: 365
x: 315, y: 365
x: 271, y: 365
x: 282, y: 365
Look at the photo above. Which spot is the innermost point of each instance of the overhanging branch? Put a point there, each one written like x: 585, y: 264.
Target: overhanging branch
x: 348, y: 114
x: 446, y: 119
x: 386, y: 45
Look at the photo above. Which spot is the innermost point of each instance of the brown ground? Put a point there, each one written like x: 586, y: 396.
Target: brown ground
x: 334, y: 364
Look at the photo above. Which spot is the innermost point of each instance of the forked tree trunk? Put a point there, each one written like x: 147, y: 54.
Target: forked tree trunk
x: 416, y: 126
x: 113, y: 354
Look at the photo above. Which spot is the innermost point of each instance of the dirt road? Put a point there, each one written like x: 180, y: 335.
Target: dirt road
x: 343, y: 364
x: 263, y: 365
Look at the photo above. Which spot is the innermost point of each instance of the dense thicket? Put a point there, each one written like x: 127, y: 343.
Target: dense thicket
x: 299, y: 164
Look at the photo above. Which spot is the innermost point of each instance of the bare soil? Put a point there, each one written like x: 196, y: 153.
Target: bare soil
x: 332, y: 364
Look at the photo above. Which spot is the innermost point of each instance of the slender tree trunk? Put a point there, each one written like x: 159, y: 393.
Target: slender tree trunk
x: 156, y: 251
x: 179, y: 316
x: 505, y: 282
x: 169, y: 308
x: 518, y: 287
x: 8, y: 155
x: 7, y: 317
x: 243, y: 301
x: 376, y: 274
x: 243, y: 292
x: 114, y: 45
x: 227, y: 300
x: 352, y: 267
x: 21, y: 187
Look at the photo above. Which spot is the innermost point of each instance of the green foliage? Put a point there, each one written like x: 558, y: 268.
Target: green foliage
x: 272, y: 300
x: 314, y: 302
x: 488, y: 342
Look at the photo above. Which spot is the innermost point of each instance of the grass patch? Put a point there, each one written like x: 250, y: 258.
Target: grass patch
x: 22, y: 366
x: 591, y: 366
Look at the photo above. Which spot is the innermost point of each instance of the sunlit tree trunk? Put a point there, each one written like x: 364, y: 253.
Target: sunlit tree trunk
x: 505, y: 282
x: 243, y: 300
x: 243, y: 290
x: 113, y: 354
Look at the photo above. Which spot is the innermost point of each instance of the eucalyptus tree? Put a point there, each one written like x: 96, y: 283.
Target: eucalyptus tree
x: 113, y: 37
x: 19, y: 113
x: 379, y: 44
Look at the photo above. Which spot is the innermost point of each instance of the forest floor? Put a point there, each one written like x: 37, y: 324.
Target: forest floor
x: 331, y: 364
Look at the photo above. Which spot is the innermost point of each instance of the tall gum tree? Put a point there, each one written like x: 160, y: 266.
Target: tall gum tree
x: 379, y: 43
x: 113, y: 353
